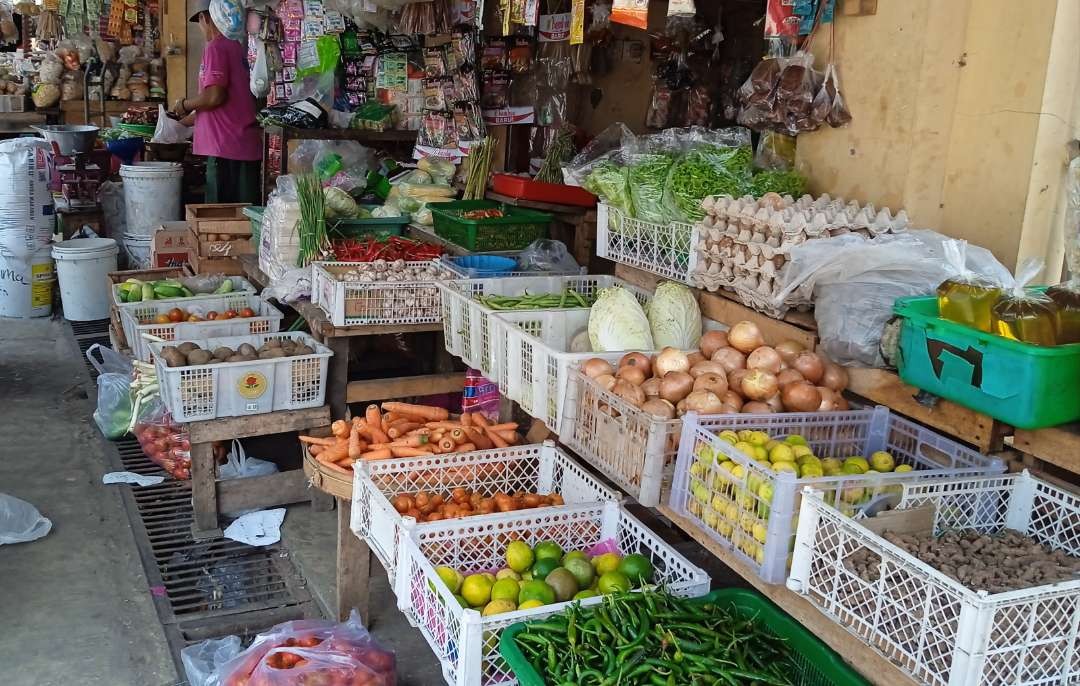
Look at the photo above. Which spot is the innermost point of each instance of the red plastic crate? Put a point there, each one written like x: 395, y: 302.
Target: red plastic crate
x: 527, y: 189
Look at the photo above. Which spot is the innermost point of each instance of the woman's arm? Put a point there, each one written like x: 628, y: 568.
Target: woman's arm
x: 210, y: 98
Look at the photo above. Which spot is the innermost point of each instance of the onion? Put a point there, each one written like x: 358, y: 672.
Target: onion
x: 606, y: 381
x: 729, y: 409
x: 809, y: 365
x: 674, y: 386
x: 774, y: 403
x: 835, y: 377
x: 717, y: 383
x: 788, y: 376
x: 629, y: 392
x: 594, y: 367
x: 828, y: 399
x: 636, y: 360
x: 658, y: 407
x: 704, y: 402
x: 707, y: 367
x: 765, y: 359
x: 711, y: 341
x: 756, y: 407
x: 801, y: 396
x: 733, y: 399
x: 745, y: 336
x: 842, y: 403
x: 789, y: 350
x: 734, y: 379
x: 651, y: 386
x: 730, y: 358
x: 695, y: 358
x: 671, y: 360
x: 633, y: 374
x: 758, y: 384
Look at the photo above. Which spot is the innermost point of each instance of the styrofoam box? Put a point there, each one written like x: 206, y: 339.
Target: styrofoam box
x: 233, y: 389
x: 735, y: 508
x: 539, y: 468
x: 664, y: 249
x: 466, y: 643
x: 241, y: 286
x: 139, y: 321
x: 930, y: 625
x: 468, y: 329
x: 354, y: 303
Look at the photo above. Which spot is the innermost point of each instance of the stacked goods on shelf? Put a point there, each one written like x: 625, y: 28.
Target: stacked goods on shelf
x: 967, y: 581
x: 743, y: 485
x: 221, y: 234
x: 466, y: 639
x: 241, y: 375
x: 393, y: 495
x: 742, y: 244
x: 379, y: 292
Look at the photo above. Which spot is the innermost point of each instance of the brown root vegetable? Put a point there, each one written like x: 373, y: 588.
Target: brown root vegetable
x: 631, y: 373
x: 674, y: 386
x: 733, y: 399
x: 756, y: 407
x: 629, y: 392
x: 670, y: 360
x: 707, y: 367
x: 695, y: 357
x: 730, y: 358
x: 711, y: 341
x: 660, y: 408
x: 834, y: 377
x: 715, y: 383
x: 788, y: 376
x: 703, y: 402
x: 758, y: 385
x: 651, y: 386
x: 800, y: 396
x: 809, y: 365
x: 734, y: 379
x: 640, y: 360
x: 595, y: 367
x: 606, y: 381
x: 765, y: 359
x: 173, y: 356
x: 789, y: 350
x: 745, y: 337
x: 197, y: 357
x: 828, y: 399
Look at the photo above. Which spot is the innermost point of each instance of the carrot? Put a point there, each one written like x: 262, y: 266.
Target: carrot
x: 315, y: 440
x: 374, y: 433
x: 315, y: 450
x: 496, y: 438
x: 458, y: 436
x: 334, y: 467
x: 466, y: 447
x: 480, y: 420
x: 443, y: 425
x: 508, y: 426
x: 510, y: 437
x: 347, y: 462
x: 340, y: 428
x: 335, y: 453
x: 447, y: 444
x: 354, y: 444
x: 479, y: 438
x: 402, y: 451
x: 372, y: 415
x: 431, y: 414
x: 399, y: 430
x: 466, y: 419
x: 392, y: 417
x: 411, y: 442
x: 380, y: 454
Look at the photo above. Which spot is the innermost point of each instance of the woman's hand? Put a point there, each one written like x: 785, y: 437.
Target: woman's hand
x: 178, y: 109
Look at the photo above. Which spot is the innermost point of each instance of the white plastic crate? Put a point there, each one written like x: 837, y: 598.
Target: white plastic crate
x: 539, y: 468
x: 930, y: 625
x: 138, y: 321
x: 730, y: 506
x: 466, y: 643
x: 664, y: 249
x: 233, y: 389
x: 241, y: 286
x: 354, y: 303
x: 468, y: 329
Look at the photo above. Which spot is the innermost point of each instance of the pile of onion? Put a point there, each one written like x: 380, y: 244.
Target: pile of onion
x: 733, y: 372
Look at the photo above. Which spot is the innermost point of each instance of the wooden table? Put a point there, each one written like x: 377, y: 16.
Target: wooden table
x: 211, y: 497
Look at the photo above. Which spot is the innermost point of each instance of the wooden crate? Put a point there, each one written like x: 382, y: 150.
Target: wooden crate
x: 223, y: 218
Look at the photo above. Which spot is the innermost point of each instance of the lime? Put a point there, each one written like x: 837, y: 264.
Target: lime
x: 476, y: 590
x: 637, y: 568
x: 856, y: 462
x: 903, y: 468
x: 785, y: 467
x: 574, y: 555
x: 497, y: 607
x: 451, y: 577
x: 581, y: 570
x: 608, y: 562
x: 505, y: 589
x: 729, y: 436
x: 507, y: 574
x: 530, y: 604
x: 563, y: 582
x: 536, y: 590
x: 489, y: 576
x: 830, y: 464
x: 613, y: 582
x: 548, y: 549
x: 519, y: 556
x: 781, y: 452
x: 587, y: 593
x: 543, y: 567
x: 795, y: 439
x: 882, y: 461
x: 746, y: 448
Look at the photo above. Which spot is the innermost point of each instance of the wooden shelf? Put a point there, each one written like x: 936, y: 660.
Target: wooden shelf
x: 360, y: 135
x: 322, y: 327
x: 875, y: 668
x: 1058, y: 445
x: 553, y: 207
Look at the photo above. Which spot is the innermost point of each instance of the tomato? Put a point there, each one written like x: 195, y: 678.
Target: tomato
x: 276, y: 661
x: 289, y: 660
x: 379, y: 660
x: 247, y: 312
x: 176, y: 315
x: 228, y: 314
x: 163, y: 319
x: 309, y: 641
x: 211, y: 315
x: 194, y: 318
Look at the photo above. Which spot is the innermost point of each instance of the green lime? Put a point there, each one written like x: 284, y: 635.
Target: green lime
x: 536, y: 590
x: 543, y: 567
x: 613, y: 582
x: 587, y: 593
x: 637, y: 568
x: 505, y: 589
x: 574, y: 555
x: 548, y: 549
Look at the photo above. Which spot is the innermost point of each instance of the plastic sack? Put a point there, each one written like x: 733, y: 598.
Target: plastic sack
x: 202, y: 660
x: 795, y: 90
x: 603, y: 148
x: 966, y: 296
x: 111, y: 361
x: 20, y: 522
x: 113, y: 412
x: 648, y: 162
x: 166, y: 443
x: 26, y: 224
x: 716, y: 162
x: 1023, y: 314
x: 546, y: 255
x: 169, y: 130
x: 240, y: 466
x: 312, y: 651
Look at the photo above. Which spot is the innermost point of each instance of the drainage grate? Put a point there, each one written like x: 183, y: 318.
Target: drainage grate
x: 94, y: 327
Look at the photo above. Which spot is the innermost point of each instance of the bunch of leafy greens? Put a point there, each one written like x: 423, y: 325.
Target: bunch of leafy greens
x: 706, y: 169
x: 647, y: 176
x: 780, y: 181
x: 608, y: 181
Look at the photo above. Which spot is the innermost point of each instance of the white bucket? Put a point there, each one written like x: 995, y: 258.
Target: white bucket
x: 26, y: 288
x: 137, y: 250
x: 152, y: 195
x: 82, y: 267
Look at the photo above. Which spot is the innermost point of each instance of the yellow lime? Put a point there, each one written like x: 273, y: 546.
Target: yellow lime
x: 519, y: 556
x: 830, y: 464
x: 759, y: 438
x: 530, y: 604
x: 746, y: 448
x: 786, y: 467
x: 759, y: 532
x: 729, y: 436
x: 507, y: 574
x: 613, y: 582
x: 903, y: 468
x: 582, y: 595
x: 800, y: 450
x: 856, y: 462
x: 795, y: 439
x: 451, y: 577
x: 476, y: 590
x: 760, y: 454
x: 608, y: 562
x: 810, y: 471
x: 745, y: 435
x: 505, y: 589
x: 497, y: 607
x: 781, y: 452
x: 882, y: 461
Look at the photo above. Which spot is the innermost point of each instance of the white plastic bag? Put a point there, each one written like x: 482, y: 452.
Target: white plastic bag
x: 113, y: 413
x: 240, y: 466
x: 111, y: 362
x: 201, y: 660
x: 20, y: 522
x: 170, y: 130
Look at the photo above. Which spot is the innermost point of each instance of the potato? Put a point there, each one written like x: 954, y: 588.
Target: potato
x: 272, y: 354
x: 247, y: 349
x: 223, y: 352
x: 304, y: 350
x: 238, y: 358
x: 186, y: 347
x: 274, y: 343
x: 173, y: 357
x: 199, y: 357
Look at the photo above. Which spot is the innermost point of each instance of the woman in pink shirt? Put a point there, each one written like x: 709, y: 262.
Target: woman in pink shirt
x: 224, y: 116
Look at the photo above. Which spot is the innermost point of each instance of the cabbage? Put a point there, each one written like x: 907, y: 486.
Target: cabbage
x: 339, y: 203
x: 674, y: 317
x: 617, y: 322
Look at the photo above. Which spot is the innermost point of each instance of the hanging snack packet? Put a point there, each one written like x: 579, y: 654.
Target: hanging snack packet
x: 631, y: 12
x: 968, y: 297
x: 1023, y: 314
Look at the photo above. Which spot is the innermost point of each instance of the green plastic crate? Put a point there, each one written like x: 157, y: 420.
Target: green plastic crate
x: 515, y: 231
x: 380, y: 227
x: 255, y: 214
x: 818, y: 666
x: 1026, y: 386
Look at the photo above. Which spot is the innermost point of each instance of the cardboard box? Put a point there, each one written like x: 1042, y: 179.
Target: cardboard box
x: 171, y: 243
x: 214, y: 265
x: 224, y: 219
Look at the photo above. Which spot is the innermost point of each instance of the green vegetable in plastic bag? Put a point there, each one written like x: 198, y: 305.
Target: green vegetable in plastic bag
x: 777, y: 181
x: 647, y: 176
x: 608, y: 181
x: 706, y: 169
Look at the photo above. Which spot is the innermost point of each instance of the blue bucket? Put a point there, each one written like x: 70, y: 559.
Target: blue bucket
x: 483, y: 266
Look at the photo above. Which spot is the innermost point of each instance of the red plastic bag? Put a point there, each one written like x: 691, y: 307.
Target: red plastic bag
x: 165, y: 442
x: 312, y: 653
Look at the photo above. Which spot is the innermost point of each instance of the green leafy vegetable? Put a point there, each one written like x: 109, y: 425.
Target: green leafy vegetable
x: 674, y: 317
x: 618, y: 322
x: 777, y: 181
x: 647, y: 176
x: 706, y: 170
x: 608, y: 181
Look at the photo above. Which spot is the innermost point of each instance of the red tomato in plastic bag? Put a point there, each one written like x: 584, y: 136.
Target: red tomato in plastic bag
x: 379, y: 660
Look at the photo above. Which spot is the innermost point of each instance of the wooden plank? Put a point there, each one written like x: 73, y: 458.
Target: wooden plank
x: 1059, y: 445
x: 337, y: 377
x: 203, y: 488
x: 553, y: 207
x: 258, y: 492
x: 404, y: 387
x: 258, y: 424
x: 864, y: 659
x: 353, y: 568
x: 362, y: 135
x: 252, y: 270
x: 886, y: 388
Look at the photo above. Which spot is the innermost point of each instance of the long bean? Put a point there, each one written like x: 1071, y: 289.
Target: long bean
x: 537, y: 301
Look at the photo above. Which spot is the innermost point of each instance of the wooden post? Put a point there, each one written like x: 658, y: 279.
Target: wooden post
x: 337, y: 380
x: 204, y: 491
x: 353, y: 568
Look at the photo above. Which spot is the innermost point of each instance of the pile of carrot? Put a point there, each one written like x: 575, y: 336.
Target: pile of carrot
x: 406, y: 430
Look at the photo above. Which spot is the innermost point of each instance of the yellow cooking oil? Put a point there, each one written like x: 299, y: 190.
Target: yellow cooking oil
x: 1031, y: 318
x: 1067, y: 298
x: 968, y: 301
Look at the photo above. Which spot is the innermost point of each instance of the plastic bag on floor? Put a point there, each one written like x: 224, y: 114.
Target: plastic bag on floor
x: 310, y: 651
x: 201, y: 660
x: 113, y: 413
x: 165, y: 442
x: 111, y: 361
x: 239, y: 465
x: 21, y: 522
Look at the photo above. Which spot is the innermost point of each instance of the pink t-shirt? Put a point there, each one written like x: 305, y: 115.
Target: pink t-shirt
x: 230, y: 130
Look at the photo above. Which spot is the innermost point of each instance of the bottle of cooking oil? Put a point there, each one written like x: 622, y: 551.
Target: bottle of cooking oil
x: 967, y: 297
x: 1026, y: 315
x: 1067, y: 298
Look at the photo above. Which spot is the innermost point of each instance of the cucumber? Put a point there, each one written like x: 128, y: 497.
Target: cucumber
x: 225, y: 287
x: 162, y: 292
x: 147, y: 292
x: 187, y: 292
